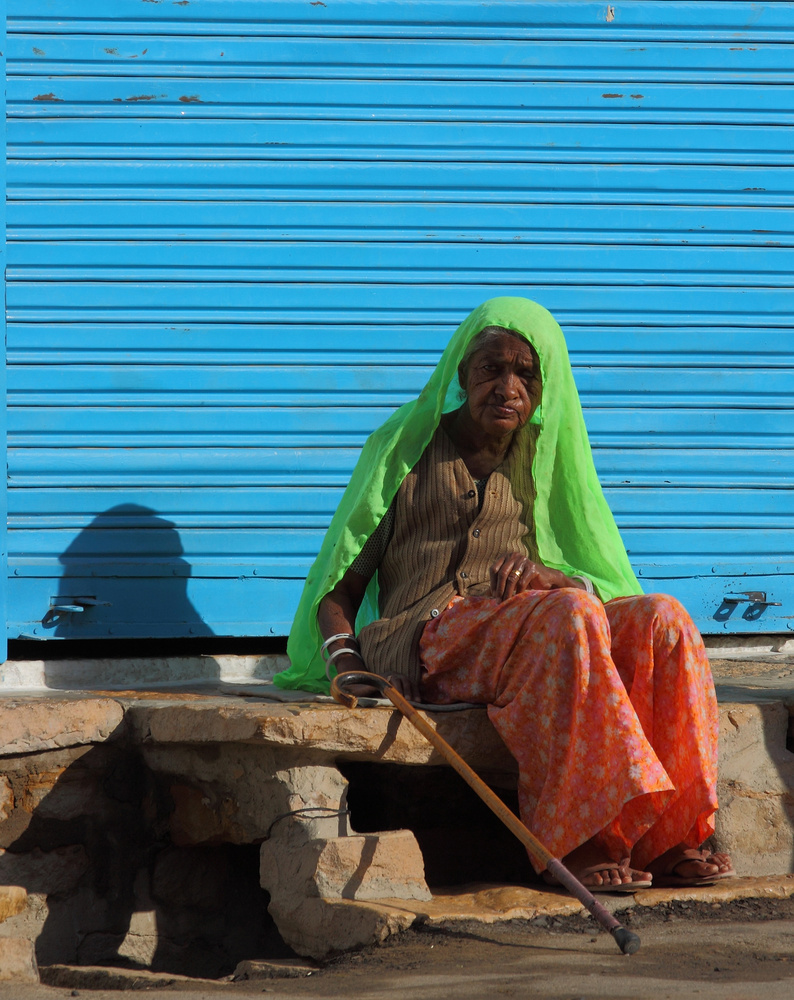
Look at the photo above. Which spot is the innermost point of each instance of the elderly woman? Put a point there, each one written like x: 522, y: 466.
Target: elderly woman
x: 473, y: 558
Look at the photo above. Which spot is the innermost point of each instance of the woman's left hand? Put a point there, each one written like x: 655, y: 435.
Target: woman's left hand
x: 514, y: 573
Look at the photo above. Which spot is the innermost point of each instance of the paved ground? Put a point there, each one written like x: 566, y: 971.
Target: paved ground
x: 737, y: 951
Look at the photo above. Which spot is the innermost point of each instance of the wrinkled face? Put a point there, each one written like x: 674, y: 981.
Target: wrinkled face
x: 502, y: 385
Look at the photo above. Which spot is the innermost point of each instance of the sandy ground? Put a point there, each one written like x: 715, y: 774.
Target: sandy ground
x: 740, y: 951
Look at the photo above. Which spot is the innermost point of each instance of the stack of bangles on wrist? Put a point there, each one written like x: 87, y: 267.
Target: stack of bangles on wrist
x: 330, y: 657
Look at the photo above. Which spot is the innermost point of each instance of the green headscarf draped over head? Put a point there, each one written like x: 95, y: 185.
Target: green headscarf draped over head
x: 575, y: 530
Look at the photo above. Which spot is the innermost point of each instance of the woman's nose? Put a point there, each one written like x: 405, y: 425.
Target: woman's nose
x: 507, y: 386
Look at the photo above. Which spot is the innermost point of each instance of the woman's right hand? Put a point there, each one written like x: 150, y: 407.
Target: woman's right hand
x: 514, y: 573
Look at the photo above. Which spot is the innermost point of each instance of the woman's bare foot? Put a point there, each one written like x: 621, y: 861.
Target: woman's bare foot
x: 592, y: 865
x: 691, y: 865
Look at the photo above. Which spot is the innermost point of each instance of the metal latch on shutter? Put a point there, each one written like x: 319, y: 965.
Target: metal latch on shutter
x: 751, y: 597
x: 74, y: 605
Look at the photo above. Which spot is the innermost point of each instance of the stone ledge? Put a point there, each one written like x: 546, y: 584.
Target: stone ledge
x: 377, y: 734
x: 29, y: 725
x: 490, y: 904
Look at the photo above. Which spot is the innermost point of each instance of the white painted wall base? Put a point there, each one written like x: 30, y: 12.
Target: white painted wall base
x: 140, y: 672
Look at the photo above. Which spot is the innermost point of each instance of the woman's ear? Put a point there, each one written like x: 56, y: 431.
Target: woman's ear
x: 462, y: 394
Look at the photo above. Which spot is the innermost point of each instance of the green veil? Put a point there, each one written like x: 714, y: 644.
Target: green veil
x: 575, y: 530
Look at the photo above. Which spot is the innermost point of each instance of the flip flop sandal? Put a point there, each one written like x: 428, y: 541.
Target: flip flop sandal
x: 595, y: 869
x: 669, y: 880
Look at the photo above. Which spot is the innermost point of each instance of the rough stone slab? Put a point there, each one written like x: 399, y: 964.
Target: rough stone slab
x: 18, y: 961
x: 724, y: 891
x: 364, y: 733
x: 96, y: 977
x: 29, y: 725
x: 489, y: 904
x: 13, y: 899
x: 278, y: 968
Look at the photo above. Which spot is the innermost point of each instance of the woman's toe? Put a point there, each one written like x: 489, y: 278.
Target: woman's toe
x: 629, y: 874
x: 721, y: 860
x: 695, y: 867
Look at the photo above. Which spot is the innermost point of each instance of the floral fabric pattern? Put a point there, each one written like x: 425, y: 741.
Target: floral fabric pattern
x: 608, y: 709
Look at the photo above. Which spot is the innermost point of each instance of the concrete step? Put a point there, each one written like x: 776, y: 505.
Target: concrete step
x: 243, y: 766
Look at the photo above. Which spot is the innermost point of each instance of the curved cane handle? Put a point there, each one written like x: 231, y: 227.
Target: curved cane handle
x: 340, y: 682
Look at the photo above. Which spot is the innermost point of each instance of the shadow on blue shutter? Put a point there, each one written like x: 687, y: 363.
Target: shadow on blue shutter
x: 142, y: 553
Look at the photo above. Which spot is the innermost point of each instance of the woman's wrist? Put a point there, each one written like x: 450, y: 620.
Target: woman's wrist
x: 341, y: 652
x: 582, y: 582
x: 340, y: 640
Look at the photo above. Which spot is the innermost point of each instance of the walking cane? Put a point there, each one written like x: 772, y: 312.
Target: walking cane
x: 627, y: 941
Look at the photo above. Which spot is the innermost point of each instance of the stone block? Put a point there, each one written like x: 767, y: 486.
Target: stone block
x: 18, y: 961
x: 363, y: 866
x: 755, y: 822
x: 306, y: 880
x: 6, y: 798
x: 48, y: 872
x: 29, y: 922
x: 277, y: 968
x: 371, y: 866
x: 233, y: 793
x: 13, y: 899
x: 53, y: 785
x: 317, y: 928
x: 141, y: 940
x: 32, y: 724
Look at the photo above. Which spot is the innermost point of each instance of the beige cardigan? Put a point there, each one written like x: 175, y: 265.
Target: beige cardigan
x: 442, y: 546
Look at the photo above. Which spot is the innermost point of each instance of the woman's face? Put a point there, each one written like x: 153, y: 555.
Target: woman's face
x: 502, y: 385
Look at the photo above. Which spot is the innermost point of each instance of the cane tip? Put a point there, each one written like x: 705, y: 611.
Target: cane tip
x: 628, y: 942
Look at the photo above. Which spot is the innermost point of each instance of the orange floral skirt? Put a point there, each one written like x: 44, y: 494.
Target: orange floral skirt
x: 609, y: 711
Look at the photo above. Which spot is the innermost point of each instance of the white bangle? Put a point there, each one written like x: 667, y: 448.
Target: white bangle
x: 339, y: 635
x: 340, y: 652
x: 588, y: 583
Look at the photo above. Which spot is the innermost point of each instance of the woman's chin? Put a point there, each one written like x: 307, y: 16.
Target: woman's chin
x: 498, y: 424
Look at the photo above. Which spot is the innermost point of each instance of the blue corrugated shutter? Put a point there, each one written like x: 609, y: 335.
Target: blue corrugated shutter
x: 242, y: 232
x: 3, y: 412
